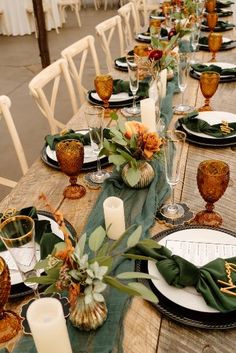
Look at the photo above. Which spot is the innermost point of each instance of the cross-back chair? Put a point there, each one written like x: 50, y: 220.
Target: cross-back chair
x: 5, y: 104
x: 39, y: 87
x: 77, y: 56
x: 145, y: 7
x: 105, y: 31
x: 3, y: 22
x: 130, y: 19
x: 75, y: 6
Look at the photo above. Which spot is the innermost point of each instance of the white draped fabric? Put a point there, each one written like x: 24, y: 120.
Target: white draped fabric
x: 15, y: 20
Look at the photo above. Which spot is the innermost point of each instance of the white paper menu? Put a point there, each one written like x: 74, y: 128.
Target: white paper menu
x: 200, y: 253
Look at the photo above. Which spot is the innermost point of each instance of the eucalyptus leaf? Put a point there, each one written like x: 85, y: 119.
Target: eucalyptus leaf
x: 59, y: 247
x: 150, y: 243
x: 133, y: 176
x: 134, y: 237
x: 144, y: 291
x: 126, y: 155
x: 104, y: 248
x: 40, y: 280
x: 103, y: 261
x: 121, y: 239
x: 120, y: 286
x: 51, y: 289
x: 138, y: 257
x: 96, y: 238
x: 117, y: 159
x: 130, y: 275
x: 80, y: 245
x: 121, y: 125
x: 119, y: 140
x: 42, y: 264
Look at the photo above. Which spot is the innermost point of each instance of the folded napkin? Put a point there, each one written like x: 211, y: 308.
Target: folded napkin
x: 215, y: 68
x: 43, y: 232
x: 220, y: 25
x: 123, y: 86
x: 180, y: 273
x: 204, y: 41
x: 199, y: 125
x: 52, y: 140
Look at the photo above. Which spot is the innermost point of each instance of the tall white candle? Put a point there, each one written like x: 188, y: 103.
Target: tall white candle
x: 48, y: 326
x: 114, y: 215
x: 163, y: 78
x: 148, y: 114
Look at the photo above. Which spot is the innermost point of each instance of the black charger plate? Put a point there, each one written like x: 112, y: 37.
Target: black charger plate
x: 181, y: 314
x: 223, y: 79
x: 225, y: 46
x: 117, y: 104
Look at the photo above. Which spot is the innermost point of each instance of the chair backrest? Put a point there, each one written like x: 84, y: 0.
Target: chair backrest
x: 5, y: 104
x: 130, y: 19
x: 105, y: 31
x: 145, y: 7
x: 38, y: 87
x: 77, y: 57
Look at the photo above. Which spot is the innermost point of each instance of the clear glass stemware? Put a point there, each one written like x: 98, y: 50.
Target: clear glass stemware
x: 133, y: 83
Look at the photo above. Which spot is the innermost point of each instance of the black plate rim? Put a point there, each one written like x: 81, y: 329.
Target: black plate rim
x: 218, y: 29
x: 180, y: 314
x: 20, y: 290
x: 120, y: 104
x: 225, y: 79
x: 205, y: 142
x: 120, y: 68
x: 226, y: 46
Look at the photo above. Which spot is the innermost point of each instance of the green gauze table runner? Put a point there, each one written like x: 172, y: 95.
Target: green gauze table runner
x: 140, y: 207
x: 180, y: 273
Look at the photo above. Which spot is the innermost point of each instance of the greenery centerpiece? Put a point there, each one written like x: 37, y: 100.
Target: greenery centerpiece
x: 131, y: 143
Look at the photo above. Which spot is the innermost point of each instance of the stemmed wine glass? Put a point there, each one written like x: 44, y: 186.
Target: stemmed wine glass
x: 212, y: 181
x: 70, y: 156
x: 94, y: 117
x: 104, y: 88
x: 133, y: 83
x: 173, y: 147
x: 10, y: 322
x: 18, y: 235
x: 214, y: 44
x: 212, y: 19
x: 209, y: 81
x: 210, y: 5
x: 194, y: 40
x: 183, y: 68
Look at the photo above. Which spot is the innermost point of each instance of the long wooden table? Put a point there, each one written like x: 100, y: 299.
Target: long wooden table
x: 146, y: 330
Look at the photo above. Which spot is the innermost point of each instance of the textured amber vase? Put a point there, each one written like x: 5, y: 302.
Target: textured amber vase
x: 212, y: 181
x: 214, y: 44
x: 88, y: 317
x: 10, y: 323
x: 147, y: 175
x: 209, y: 81
x: 70, y: 156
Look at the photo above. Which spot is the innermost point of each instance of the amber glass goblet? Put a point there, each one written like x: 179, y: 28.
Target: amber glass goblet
x: 104, y: 88
x: 10, y: 323
x: 212, y: 181
x: 214, y: 44
x: 70, y: 156
x: 209, y: 81
x: 210, y: 5
x: 212, y: 19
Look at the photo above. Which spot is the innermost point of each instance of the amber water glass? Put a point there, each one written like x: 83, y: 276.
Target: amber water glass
x: 212, y: 19
x: 214, y: 44
x: 209, y: 81
x: 210, y: 5
x: 104, y: 88
x: 70, y: 156
x: 212, y: 181
x: 10, y: 322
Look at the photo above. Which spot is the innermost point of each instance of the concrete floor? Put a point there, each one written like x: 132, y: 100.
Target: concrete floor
x: 19, y: 62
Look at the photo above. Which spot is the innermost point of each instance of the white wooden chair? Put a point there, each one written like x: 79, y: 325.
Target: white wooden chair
x: 3, y: 23
x: 77, y: 56
x: 106, y: 30
x: 49, y: 18
x: 5, y: 105
x: 145, y: 7
x: 130, y: 19
x: 75, y: 6
x: 49, y: 79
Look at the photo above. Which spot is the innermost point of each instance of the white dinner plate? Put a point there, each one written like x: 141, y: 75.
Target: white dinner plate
x: 119, y: 97
x: 210, y: 244
x: 224, y: 41
x: 14, y: 273
x: 222, y: 65
x: 213, y: 118
x: 121, y: 63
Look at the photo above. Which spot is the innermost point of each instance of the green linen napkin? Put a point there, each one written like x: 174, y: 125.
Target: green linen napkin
x: 124, y: 86
x: 223, y: 4
x: 43, y: 232
x: 220, y: 25
x: 180, y: 273
x: 215, y: 68
x: 198, y: 125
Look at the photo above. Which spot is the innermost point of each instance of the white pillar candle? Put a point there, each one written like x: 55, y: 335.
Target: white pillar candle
x: 48, y: 326
x: 163, y: 78
x: 114, y: 215
x: 148, y: 114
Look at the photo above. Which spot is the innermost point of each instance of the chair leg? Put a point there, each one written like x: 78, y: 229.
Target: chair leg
x: 77, y: 14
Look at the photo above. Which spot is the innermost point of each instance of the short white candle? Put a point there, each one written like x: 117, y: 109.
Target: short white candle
x: 163, y: 78
x: 148, y: 114
x: 48, y: 326
x: 114, y: 215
